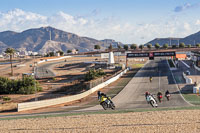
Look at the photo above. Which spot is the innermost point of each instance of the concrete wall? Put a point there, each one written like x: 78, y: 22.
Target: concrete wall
x: 45, y: 103
x: 39, y: 62
x: 187, y: 80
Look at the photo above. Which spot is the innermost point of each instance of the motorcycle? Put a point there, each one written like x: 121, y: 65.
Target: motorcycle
x: 150, y: 79
x: 167, y: 96
x: 106, y: 103
x: 159, y: 98
x: 151, y: 100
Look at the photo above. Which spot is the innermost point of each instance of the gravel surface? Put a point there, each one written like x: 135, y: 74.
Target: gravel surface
x: 182, y: 121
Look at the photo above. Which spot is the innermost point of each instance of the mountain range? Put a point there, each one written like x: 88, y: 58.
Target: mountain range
x: 47, y: 39
x: 192, y: 39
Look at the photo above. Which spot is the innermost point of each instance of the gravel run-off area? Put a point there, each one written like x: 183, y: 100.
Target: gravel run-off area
x: 181, y: 121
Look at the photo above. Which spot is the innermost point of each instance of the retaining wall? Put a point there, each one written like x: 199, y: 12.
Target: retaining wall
x: 187, y: 80
x: 45, y: 103
x: 45, y: 60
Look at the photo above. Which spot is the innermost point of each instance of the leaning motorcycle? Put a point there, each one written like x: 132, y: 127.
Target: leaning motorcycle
x: 106, y: 103
x: 167, y: 96
x: 151, y: 100
x: 159, y: 98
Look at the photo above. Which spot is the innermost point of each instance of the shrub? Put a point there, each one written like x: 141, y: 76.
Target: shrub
x: 92, y: 74
x: 24, y: 86
x: 5, y: 98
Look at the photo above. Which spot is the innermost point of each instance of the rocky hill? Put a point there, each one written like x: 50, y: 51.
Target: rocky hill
x: 163, y: 41
x: 46, y: 39
x: 191, y: 39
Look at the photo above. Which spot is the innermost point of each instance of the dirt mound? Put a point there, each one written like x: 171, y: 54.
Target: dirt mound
x: 184, y: 121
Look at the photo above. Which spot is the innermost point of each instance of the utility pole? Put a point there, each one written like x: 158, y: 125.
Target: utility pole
x: 35, y: 78
x: 50, y: 35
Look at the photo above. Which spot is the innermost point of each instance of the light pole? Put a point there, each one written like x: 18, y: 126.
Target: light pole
x: 35, y: 68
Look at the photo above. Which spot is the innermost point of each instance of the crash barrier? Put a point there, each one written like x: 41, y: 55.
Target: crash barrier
x: 187, y: 80
x: 45, y: 103
x: 196, y: 67
x: 45, y: 60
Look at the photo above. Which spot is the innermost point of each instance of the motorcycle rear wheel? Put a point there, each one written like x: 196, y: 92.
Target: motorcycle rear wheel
x: 104, y: 105
x: 152, y: 103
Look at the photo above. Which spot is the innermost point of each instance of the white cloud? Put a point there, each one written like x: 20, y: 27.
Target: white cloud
x: 98, y: 28
x: 187, y: 26
x: 197, y: 22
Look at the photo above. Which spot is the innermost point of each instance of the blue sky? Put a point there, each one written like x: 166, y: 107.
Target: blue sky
x: 128, y: 21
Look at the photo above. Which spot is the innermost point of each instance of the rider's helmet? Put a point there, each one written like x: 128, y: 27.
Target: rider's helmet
x: 99, y: 93
x: 147, y: 93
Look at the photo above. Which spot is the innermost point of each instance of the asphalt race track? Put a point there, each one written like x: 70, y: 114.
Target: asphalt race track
x: 132, y: 96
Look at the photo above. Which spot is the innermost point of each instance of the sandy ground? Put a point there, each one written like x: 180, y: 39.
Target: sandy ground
x: 185, y: 121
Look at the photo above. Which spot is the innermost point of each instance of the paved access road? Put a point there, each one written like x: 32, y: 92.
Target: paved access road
x: 132, y: 96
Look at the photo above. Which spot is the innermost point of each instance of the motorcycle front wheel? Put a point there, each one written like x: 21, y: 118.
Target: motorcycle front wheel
x: 112, y: 105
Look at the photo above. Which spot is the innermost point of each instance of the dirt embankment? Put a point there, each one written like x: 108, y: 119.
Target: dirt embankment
x: 184, y: 121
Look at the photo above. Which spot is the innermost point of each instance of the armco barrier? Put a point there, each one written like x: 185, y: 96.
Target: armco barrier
x: 45, y: 103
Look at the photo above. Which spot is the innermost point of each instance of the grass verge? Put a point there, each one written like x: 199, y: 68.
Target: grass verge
x: 63, y: 114
x: 192, y: 98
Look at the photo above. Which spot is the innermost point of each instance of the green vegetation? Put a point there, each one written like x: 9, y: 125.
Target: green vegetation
x: 182, y: 45
x: 141, y: 46
x: 137, y: 65
x: 6, y: 98
x: 69, y: 51
x: 10, y: 52
x: 93, y: 74
x: 198, y: 45
x: 126, y: 47
x: 97, y: 47
x: 174, y: 46
x: 157, y: 45
x: 149, y: 46
x: 134, y: 46
x: 165, y: 46
x: 24, y: 86
x: 192, y: 98
x: 61, y: 52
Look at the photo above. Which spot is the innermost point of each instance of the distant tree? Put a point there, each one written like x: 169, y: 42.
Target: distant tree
x: 110, y: 47
x: 126, y: 47
x: 198, y: 45
x: 133, y: 46
x: 165, y: 46
x: 182, y: 45
x: 69, y: 51
x: 141, y: 46
x: 51, y: 54
x: 189, y: 46
x: 157, y: 45
x: 61, y: 52
x: 97, y: 47
x: 10, y: 52
x: 119, y: 46
x: 174, y: 46
x: 149, y: 46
